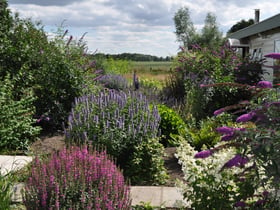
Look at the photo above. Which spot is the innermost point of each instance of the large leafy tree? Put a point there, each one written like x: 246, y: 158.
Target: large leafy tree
x: 185, y: 30
x: 240, y: 25
x: 210, y: 36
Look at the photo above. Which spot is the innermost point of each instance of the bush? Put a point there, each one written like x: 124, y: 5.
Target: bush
x: 76, y: 179
x: 209, y: 186
x: 204, y: 135
x: 256, y: 143
x: 16, y: 123
x: 54, y: 68
x: 118, y: 121
x: 171, y: 125
x: 6, y: 186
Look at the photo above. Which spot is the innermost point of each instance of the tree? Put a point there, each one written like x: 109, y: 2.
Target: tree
x: 185, y: 30
x: 240, y: 25
x: 210, y: 35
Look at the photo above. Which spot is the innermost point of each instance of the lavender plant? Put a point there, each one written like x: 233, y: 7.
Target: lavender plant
x: 76, y: 178
x: 120, y: 122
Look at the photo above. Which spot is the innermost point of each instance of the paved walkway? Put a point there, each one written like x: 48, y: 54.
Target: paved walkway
x: 152, y: 195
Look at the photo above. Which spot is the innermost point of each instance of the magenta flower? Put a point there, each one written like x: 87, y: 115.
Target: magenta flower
x: 227, y: 137
x: 237, y: 160
x: 225, y: 130
x: 203, y: 154
x: 264, y: 84
x: 245, y: 117
x: 219, y: 111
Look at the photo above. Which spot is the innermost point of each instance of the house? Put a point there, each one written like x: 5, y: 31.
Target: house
x: 258, y: 40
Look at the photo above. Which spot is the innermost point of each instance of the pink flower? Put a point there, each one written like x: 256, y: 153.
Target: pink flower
x: 203, y: 154
x: 219, y: 111
x: 237, y: 160
x: 264, y: 84
x: 245, y: 117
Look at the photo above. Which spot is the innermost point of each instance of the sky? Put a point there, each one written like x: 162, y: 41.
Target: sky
x: 135, y: 26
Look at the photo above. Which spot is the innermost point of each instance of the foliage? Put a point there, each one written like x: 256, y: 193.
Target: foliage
x: 54, y: 68
x: 208, y: 185
x: 249, y: 72
x: 116, y: 66
x: 185, y: 30
x: 240, y: 25
x: 204, y: 135
x: 113, y: 81
x: 6, y: 185
x: 171, y: 125
x: 16, y: 122
x: 201, y: 67
x: 147, y: 163
x: 210, y: 36
x: 76, y: 178
x: 121, y: 122
x: 258, y: 145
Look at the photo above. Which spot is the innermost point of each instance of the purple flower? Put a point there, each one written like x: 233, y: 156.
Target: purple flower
x: 203, y: 154
x: 225, y: 130
x: 240, y: 204
x: 264, y: 84
x: 227, y: 137
x: 245, y: 117
x: 219, y: 111
x: 237, y: 160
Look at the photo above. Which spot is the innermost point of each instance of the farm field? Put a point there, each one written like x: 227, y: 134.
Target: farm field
x: 153, y: 70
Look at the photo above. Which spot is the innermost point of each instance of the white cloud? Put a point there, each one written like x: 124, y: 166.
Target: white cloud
x: 145, y: 26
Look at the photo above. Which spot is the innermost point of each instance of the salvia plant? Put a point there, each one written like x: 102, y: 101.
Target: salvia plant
x: 76, y: 178
x: 256, y: 139
x: 120, y: 122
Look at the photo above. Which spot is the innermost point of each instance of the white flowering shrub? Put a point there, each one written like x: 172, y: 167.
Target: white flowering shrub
x: 209, y: 183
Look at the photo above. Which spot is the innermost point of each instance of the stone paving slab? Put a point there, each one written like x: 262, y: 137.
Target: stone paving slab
x: 11, y: 163
x: 157, y: 196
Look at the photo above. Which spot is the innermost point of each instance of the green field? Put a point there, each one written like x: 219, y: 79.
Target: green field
x: 152, y: 66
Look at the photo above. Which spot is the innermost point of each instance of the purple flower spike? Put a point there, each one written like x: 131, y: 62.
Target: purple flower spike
x: 225, y: 130
x: 245, y: 117
x: 227, y: 137
x: 237, y: 160
x: 203, y: 154
x: 219, y: 111
x: 240, y: 204
x: 264, y: 84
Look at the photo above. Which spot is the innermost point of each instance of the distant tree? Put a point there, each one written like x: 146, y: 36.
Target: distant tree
x: 240, y: 25
x: 185, y: 30
x: 210, y: 35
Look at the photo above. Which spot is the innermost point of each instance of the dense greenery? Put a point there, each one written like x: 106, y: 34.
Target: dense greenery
x: 187, y: 35
x: 240, y: 25
x: 17, y: 130
x: 54, y: 69
x: 124, y: 124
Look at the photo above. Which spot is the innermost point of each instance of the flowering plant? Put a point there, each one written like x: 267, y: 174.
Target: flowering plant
x: 76, y: 178
x: 256, y: 147
x: 208, y: 185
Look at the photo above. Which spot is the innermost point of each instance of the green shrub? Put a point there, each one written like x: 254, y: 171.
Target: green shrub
x: 54, y: 68
x: 16, y: 123
x: 76, y: 178
x: 171, y: 125
x: 204, y: 135
x: 6, y: 186
x: 121, y: 122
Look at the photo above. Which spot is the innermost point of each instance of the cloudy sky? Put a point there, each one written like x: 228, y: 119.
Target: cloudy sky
x: 135, y: 26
